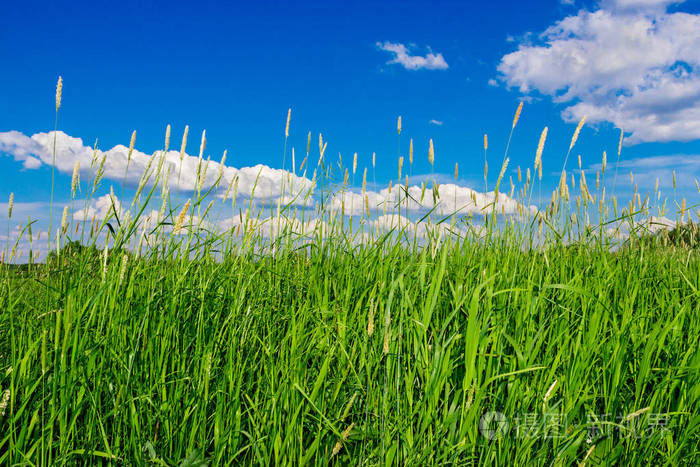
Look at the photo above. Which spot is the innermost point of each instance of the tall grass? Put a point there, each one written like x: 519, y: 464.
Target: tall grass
x: 282, y: 341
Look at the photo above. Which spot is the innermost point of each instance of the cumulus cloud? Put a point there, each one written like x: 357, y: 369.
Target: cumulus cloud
x: 648, y: 225
x: 449, y: 199
x: 258, y: 181
x: 99, y: 208
x: 631, y: 63
x: 403, y: 57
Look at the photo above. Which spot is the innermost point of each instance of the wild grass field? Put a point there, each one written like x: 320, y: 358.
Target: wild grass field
x: 527, y: 337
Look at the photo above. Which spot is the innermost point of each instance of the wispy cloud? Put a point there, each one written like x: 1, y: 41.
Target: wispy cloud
x: 403, y: 57
x: 646, y: 170
x: 435, y: 122
x: 631, y: 63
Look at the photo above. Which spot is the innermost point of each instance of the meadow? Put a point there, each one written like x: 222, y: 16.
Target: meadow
x: 504, y: 336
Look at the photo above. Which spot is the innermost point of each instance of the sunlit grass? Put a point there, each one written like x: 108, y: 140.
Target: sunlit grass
x: 298, y: 335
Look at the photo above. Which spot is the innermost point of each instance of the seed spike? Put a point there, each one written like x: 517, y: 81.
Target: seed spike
x: 576, y: 132
x: 286, y: 128
x: 184, y: 142
x: 167, y: 138
x: 59, y: 92
x: 517, y: 114
x: 619, y: 145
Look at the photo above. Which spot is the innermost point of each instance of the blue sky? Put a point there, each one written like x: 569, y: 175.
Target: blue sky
x: 235, y: 69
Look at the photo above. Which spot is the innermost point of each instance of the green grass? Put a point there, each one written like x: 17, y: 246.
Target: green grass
x: 206, y: 348
x: 267, y: 360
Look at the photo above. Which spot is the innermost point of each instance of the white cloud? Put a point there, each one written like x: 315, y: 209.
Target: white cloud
x: 631, y: 63
x: 450, y: 199
x: 649, y: 225
x: 258, y: 181
x: 99, y: 207
x: 32, y: 162
x: 435, y: 122
x: 637, y: 5
x: 403, y: 57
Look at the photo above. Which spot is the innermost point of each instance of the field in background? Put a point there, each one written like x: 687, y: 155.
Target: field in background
x: 300, y: 335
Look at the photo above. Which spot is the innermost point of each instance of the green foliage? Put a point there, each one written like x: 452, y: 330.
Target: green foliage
x: 269, y: 360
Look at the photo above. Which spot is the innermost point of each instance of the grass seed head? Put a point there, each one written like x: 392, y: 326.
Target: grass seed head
x: 517, y: 114
x: 549, y: 394
x: 605, y: 161
x: 343, y: 437
x: 286, y: 128
x: 576, y: 132
x: 64, y: 219
x: 181, y: 217
x: 682, y: 210
x: 167, y: 138
x: 619, y: 145
x: 486, y: 142
x: 184, y: 142
x: 131, y: 145
x: 500, y: 176
x: 398, y: 125
x: 5, y: 401
x: 540, y: 148
x: 431, y: 152
x: 74, y: 179
x: 203, y: 144
x: 222, y: 165
x: 122, y: 269
x: 10, y: 204
x: 59, y: 92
